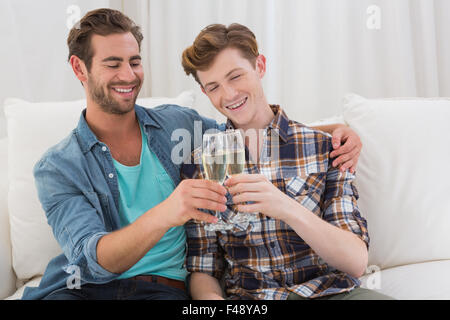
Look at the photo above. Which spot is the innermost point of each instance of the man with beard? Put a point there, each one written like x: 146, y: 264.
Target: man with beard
x: 110, y: 191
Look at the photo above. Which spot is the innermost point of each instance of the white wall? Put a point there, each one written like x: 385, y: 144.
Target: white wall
x: 317, y: 50
x: 33, y: 51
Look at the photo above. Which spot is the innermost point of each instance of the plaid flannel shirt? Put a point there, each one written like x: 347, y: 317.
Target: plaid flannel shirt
x: 267, y: 259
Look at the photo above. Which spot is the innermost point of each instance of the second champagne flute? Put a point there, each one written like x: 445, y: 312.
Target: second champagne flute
x: 215, y: 166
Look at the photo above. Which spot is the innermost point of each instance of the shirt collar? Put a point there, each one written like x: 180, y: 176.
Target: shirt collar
x: 88, y: 139
x: 280, y: 122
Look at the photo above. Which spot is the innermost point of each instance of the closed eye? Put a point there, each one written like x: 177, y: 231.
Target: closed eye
x: 213, y: 88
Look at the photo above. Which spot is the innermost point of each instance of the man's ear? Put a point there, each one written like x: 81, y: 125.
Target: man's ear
x: 79, y: 68
x: 260, y: 65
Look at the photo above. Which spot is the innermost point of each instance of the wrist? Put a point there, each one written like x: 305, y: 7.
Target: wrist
x: 291, y: 211
x: 157, y: 217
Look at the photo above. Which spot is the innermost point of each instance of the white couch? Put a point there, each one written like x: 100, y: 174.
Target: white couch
x: 402, y: 179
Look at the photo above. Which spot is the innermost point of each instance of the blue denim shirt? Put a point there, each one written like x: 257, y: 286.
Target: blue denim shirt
x: 78, y: 189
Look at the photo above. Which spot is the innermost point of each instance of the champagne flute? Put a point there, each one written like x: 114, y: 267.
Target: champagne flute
x: 215, y: 167
x: 235, y: 152
x: 235, y: 165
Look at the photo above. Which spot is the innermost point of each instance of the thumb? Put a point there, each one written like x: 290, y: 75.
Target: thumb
x: 336, y: 138
x: 205, y: 217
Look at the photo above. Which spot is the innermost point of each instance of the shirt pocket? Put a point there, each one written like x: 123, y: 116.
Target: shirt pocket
x: 307, y: 190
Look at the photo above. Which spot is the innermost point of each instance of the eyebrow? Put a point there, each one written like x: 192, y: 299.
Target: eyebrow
x: 113, y: 58
x: 214, y: 82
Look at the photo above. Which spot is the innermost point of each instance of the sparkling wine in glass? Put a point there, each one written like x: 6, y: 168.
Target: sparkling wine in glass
x: 235, y: 152
x: 214, y: 161
x: 235, y: 165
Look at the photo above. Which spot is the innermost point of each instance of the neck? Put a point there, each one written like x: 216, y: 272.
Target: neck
x: 252, y: 130
x: 109, y: 127
x: 261, y: 119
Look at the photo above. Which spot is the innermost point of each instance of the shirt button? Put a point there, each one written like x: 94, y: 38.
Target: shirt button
x: 104, y: 148
x: 111, y: 175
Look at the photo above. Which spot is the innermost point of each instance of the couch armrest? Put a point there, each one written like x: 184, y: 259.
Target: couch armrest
x: 7, y: 276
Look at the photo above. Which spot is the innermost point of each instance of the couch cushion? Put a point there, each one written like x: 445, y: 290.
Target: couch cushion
x: 420, y: 281
x: 17, y: 295
x: 32, y: 129
x: 402, y: 177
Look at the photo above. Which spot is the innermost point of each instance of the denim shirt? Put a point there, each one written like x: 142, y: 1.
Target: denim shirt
x: 78, y: 189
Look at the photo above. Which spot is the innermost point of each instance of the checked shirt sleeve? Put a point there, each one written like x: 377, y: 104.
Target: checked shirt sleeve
x: 340, y: 204
x: 204, y: 253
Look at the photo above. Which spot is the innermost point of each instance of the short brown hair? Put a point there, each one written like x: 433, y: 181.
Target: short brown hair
x: 102, y: 22
x: 212, y: 40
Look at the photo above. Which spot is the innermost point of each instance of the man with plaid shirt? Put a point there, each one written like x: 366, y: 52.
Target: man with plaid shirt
x: 309, y: 239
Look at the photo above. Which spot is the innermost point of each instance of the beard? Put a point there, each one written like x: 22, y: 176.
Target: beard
x: 100, y: 94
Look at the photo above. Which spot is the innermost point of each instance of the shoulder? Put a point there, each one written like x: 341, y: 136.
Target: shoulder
x: 66, y: 151
x: 305, y: 149
x: 317, y: 141
x: 172, y: 115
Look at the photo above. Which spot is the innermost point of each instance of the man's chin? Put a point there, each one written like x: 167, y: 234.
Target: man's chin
x: 119, y: 108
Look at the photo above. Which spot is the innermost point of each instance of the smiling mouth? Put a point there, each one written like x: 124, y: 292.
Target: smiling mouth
x: 125, y: 92
x: 237, y: 105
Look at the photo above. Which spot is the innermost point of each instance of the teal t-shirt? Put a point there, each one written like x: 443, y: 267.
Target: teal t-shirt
x: 141, y: 188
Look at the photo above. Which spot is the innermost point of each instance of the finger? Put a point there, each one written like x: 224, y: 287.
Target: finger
x: 207, y: 194
x: 348, y: 146
x: 254, y: 207
x: 353, y: 167
x: 208, y: 184
x: 336, y: 138
x: 202, y: 216
x: 208, y: 205
x: 345, y: 157
x: 353, y: 157
x: 243, y: 177
x: 248, y: 196
x: 245, y: 187
x: 346, y: 165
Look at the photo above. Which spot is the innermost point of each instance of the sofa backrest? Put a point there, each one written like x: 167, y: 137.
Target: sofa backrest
x: 403, y: 177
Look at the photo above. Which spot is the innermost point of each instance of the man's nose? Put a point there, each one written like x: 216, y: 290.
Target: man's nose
x: 126, y: 73
x: 229, y: 93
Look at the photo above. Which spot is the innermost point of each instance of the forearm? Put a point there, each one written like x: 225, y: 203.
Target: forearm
x: 120, y: 250
x: 337, y: 247
x: 205, y: 287
x: 329, y: 128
